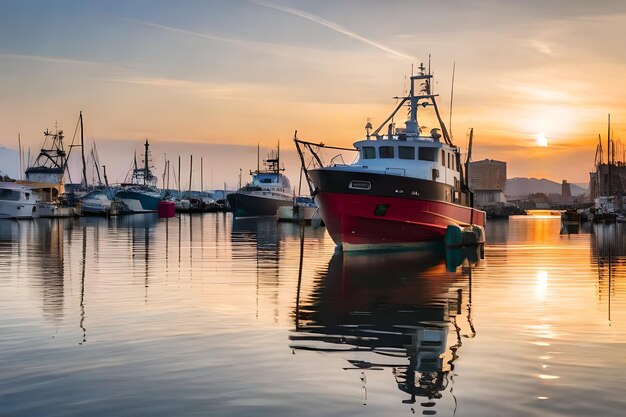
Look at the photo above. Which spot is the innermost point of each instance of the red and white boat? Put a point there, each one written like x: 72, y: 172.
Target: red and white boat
x: 405, y: 188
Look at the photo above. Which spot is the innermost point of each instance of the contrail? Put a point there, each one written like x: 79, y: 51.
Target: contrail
x: 178, y: 30
x: 332, y: 26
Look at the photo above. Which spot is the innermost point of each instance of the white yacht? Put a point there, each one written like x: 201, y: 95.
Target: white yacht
x: 17, y: 201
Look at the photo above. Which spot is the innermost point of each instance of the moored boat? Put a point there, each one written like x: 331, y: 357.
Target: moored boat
x: 268, y: 190
x: 17, y: 201
x: 49, y: 166
x: 140, y: 195
x: 405, y: 188
x: 302, y: 211
x: 99, y: 202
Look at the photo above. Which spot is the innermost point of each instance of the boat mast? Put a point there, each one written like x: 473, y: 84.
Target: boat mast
x: 608, y: 154
x: 201, y: 174
x: 601, y: 151
x: 82, y: 148
x: 164, y: 169
x: 145, y: 163
x: 106, y: 180
x: 20, y: 162
x: 278, y: 161
x: 451, y: 97
x: 190, y: 170
x: 467, y: 162
x: 94, y: 155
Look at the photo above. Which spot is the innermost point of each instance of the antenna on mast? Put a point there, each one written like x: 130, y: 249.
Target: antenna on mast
x: 430, y: 89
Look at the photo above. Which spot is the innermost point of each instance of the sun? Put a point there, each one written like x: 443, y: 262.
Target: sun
x: 542, y: 140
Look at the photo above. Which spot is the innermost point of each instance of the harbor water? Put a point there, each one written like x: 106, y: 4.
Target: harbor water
x: 204, y: 315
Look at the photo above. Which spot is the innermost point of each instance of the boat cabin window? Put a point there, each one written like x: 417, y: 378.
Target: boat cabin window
x: 369, y: 152
x: 449, y: 165
x: 428, y: 154
x: 386, y: 152
x: 27, y: 196
x: 406, y: 152
x: 443, y: 157
x: 9, y: 195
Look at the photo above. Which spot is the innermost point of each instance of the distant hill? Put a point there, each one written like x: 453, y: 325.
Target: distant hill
x: 524, y: 186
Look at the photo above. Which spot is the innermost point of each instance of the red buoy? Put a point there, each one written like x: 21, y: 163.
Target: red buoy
x: 166, y: 209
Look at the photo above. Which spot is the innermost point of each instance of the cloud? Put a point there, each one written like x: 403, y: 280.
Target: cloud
x: 542, y: 47
x: 222, y: 90
x: 332, y: 26
x: 538, y: 93
x: 49, y: 59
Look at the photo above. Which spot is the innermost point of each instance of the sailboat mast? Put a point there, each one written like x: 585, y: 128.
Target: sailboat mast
x: 277, y: 159
x: 469, y: 155
x: 201, y: 174
x: 168, y: 175
x: 94, y: 154
x: 82, y: 148
x: 20, y: 161
x: 258, y: 156
x: 601, y: 151
x: 190, y: 170
x: 178, y: 176
x: 104, y: 171
x: 608, y: 154
x: 145, y: 163
x: 451, y: 98
x: 164, y: 169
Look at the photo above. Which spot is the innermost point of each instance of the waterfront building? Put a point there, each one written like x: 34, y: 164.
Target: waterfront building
x: 487, y: 174
x: 487, y: 179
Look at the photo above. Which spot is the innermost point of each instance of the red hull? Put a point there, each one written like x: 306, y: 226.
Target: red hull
x: 351, y: 220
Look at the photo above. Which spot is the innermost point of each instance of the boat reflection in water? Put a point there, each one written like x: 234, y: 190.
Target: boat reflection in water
x: 608, y: 241
x: 400, y: 312
x: 608, y: 247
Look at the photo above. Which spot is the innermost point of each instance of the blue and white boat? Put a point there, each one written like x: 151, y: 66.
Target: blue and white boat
x: 140, y: 195
x: 99, y: 202
x: 268, y: 191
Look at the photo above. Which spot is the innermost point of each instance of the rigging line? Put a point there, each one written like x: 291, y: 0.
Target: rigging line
x: 73, y: 138
x: 451, y: 98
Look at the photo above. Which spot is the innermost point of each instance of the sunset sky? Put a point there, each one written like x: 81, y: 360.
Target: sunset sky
x: 214, y: 78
